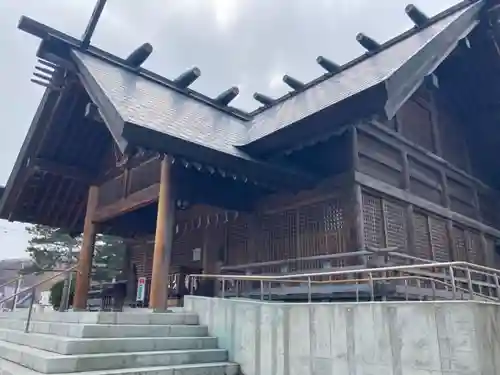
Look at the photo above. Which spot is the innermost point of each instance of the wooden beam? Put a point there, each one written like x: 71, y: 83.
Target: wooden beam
x: 86, y: 253
x: 436, y: 135
x: 410, y: 223
x: 164, y: 236
x: 94, y: 19
x: 130, y: 203
x: 357, y: 220
x: 74, y: 173
x: 391, y: 138
x: 353, y: 132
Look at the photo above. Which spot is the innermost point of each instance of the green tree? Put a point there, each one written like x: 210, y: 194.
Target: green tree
x: 56, y: 293
x: 52, y: 248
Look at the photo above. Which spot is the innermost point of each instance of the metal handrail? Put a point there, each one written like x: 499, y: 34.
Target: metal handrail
x: 338, y: 273
x: 451, y: 270
x: 33, y: 291
x: 24, y: 275
x: 367, y: 252
x: 12, y: 281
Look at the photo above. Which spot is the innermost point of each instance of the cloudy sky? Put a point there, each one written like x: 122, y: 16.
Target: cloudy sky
x: 248, y: 43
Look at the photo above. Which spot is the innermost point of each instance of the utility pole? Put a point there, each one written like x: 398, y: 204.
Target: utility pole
x: 18, y: 287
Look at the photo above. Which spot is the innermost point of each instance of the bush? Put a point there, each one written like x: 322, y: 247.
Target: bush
x: 56, y: 294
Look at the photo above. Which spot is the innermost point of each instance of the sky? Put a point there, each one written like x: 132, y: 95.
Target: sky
x: 244, y: 43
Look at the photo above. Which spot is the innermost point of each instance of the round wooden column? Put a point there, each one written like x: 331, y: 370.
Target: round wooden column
x: 163, y: 239
x: 86, y: 253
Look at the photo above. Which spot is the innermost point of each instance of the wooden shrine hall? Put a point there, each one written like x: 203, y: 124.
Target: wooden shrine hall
x: 397, y: 148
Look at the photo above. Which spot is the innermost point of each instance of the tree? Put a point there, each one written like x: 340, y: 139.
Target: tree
x: 51, y: 248
x: 56, y: 293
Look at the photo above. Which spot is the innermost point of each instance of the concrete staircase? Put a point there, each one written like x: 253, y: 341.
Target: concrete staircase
x: 105, y: 343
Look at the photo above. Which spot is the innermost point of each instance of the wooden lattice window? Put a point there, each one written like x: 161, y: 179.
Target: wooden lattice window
x: 333, y: 217
x: 439, y: 240
x: 460, y: 244
x: 395, y: 218
x: 422, y: 236
x: 373, y: 224
x: 491, y: 255
x: 238, y: 241
x: 475, y: 253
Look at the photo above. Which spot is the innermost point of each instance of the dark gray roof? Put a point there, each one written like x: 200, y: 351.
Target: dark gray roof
x: 145, y: 103
x: 132, y: 105
x: 401, y: 67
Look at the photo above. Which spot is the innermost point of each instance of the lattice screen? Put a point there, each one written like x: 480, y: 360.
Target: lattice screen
x: 384, y: 223
x: 422, y: 236
x: 373, y: 221
x: 182, y: 252
x: 439, y: 240
x: 306, y: 231
x: 238, y: 242
x: 395, y: 224
x: 475, y: 253
x: 460, y: 244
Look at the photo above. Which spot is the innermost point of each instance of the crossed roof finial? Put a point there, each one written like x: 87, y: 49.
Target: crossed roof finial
x: 94, y: 19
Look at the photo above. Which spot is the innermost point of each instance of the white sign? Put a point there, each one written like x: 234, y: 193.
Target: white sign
x: 196, y: 254
x: 141, y: 289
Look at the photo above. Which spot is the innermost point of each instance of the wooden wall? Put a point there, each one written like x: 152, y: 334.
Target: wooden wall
x: 311, y: 223
x: 419, y: 193
x: 389, y: 222
x: 307, y: 230
x: 428, y: 120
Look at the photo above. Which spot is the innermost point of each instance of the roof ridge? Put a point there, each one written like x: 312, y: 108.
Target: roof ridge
x: 383, y: 46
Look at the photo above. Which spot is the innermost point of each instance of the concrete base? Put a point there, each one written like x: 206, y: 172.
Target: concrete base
x: 375, y: 338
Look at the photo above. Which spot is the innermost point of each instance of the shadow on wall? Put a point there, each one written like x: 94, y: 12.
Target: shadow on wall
x: 448, y: 337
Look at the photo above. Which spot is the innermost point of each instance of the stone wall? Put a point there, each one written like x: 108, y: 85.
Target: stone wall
x: 386, y: 338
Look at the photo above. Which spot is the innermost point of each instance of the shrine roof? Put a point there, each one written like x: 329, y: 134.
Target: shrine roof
x: 396, y: 68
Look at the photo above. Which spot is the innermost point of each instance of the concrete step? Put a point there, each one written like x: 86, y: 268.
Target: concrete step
x: 51, y: 363
x: 135, y: 318
x: 65, y: 345
x: 218, y: 368
x: 106, y: 330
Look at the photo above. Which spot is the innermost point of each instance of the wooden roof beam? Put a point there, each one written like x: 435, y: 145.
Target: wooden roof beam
x: 263, y: 99
x: 293, y: 82
x: 130, y: 203
x: 419, y: 18
x: 328, y: 65
x: 48, y: 166
x: 186, y: 79
x: 227, y: 96
x: 139, y: 55
x: 94, y: 19
x: 367, y: 43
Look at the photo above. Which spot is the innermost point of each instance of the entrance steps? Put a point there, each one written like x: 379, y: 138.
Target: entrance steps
x: 105, y: 343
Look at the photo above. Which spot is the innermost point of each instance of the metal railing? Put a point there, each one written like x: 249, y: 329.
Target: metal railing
x: 434, y: 280
x: 288, y: 264
x: 16, y: 280
x: 32, y: 291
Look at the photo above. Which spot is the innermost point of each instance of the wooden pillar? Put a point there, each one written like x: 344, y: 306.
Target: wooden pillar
x: 410, y: 222
x: 165, y: 221
x: 357, y: 233
x: 86, y: 252
x: 357, y: 219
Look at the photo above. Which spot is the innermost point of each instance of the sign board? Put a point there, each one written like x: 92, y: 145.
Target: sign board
x: 141, y: 289
x: 196, y: 254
